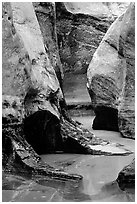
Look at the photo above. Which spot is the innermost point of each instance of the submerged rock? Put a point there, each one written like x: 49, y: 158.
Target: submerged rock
x: 111, y: 77
x: 80, y: 28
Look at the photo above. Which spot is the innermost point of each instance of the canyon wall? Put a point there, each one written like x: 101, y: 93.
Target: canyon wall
x: 31, y: 90
x: 111, y: 77
x: 46, y: 16
x: 80, y: 28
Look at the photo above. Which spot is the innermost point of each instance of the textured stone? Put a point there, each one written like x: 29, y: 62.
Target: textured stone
x: 27, y: 72
x: 80, y: 28
x: 111, y: 77
x: 46, y: 16
x: 126, y: 112
x: 12, y: 109
x: 31, y: 91
x: 31, y: 94
x: 126, y: 177
x: 34, y: 110
x: 108, y: 10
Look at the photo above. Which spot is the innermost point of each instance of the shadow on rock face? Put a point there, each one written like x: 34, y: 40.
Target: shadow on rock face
x: 42, y: 131
x: 72, y: 146
x: 106, y: 119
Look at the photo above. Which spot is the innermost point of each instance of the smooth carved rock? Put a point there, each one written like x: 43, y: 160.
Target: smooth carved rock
x: 80, y: 28
x: 46, y: 16
x: 111, y: 77
x: 104, y: 10
x: 26, y: 66
x: 126, y: 113
x: 29, y: 85
x: 33, y: 105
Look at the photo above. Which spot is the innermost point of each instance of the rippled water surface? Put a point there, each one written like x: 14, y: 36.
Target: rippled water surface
x: 98, y: 184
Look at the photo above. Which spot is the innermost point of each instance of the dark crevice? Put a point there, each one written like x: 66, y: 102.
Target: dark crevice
x: 106, y: 119
x: 120, y: 51
x: 111, y: 44
x: 72, y: 146
x: 42, y: 131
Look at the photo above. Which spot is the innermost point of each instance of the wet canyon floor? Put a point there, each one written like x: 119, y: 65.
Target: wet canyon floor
x: 98, y: 184
x: 99, y: 172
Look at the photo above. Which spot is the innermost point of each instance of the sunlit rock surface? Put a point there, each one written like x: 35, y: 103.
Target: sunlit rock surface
x: 33, y: 79
x: 108, y: 10
x: 126, y: 112
x: 80, y: 28
x: 111, y: 77
x: 27, y: 72
x: 46, y: 16
x: 29, y: 82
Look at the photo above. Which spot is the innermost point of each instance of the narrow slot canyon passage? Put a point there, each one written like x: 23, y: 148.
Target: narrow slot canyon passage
x: 62, y: 141
x: 79, y: 106
x: 99, y: 172
x: 75, y: 90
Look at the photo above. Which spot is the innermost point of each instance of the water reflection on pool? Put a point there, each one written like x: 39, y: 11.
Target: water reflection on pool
x: 98, y: 184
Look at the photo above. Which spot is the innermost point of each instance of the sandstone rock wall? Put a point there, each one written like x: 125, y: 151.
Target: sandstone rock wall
x: 46, y: 16
x: 80, y: 28
x: 107, y: 10
x: 127, y: 43
x: 27, y: 71
x: 111, y: 76
x: 31, y: 90
x: 33, y: 105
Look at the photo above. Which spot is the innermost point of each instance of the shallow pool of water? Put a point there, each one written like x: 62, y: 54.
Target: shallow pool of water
x: 98, y: 184
x: 99, y: 175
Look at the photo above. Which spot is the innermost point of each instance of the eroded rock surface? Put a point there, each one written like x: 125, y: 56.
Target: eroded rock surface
x: 126, y: 177
x: 33, y: 104
x: 107, y: 10
x: 111, y: 77
x: 30, y: 85
x: 126, y: 115
x: 80, y: 28
x: 46, y: 16
x: 26, y: 67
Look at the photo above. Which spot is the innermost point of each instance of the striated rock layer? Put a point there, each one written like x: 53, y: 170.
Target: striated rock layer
x: 27, y: 71
x: 34, y: 111
x: 111, y: 77
x: 30, y: 86
x: 126, y: 115
x: 28, y: 76
x: 46, y: 16
x: 80, y: 28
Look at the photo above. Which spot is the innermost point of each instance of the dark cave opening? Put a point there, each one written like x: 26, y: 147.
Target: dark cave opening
x: 42, y: 131
x: 106, y: 119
